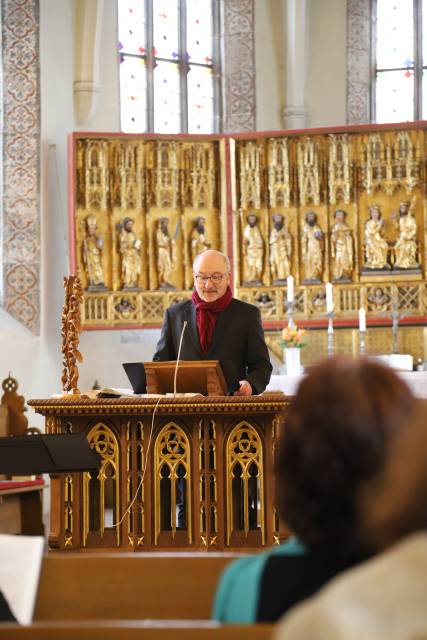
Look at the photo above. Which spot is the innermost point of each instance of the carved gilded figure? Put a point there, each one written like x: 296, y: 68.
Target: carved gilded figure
x: 312, y: 248
x: 405, y: 249
x: 280, y: 249
x: 92, y: 248
x: 376, y: 246
x: 198, y: 239
x: 253, y: 251
x: 164, y: 253
x: 341, y: 247
x: 130, y: 251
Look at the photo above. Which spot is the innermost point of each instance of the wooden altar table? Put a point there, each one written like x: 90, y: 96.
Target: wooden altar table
x: 416, y: 381
x: 201, y: 479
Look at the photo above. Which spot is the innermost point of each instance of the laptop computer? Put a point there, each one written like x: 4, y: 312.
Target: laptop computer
x: 136, y: 374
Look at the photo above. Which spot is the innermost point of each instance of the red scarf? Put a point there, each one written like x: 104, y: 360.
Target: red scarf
x: 207, y: 315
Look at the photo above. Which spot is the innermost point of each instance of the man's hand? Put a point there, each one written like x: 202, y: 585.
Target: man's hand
x: 245, y: 389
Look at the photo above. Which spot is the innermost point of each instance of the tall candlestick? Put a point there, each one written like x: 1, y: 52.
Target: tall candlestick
x: 330, y: 334
x: 290, y: 289
x: 362, y: 319
x: 329, y: 298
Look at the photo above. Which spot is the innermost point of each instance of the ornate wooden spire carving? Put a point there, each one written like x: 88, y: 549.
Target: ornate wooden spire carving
x: 71, y: 327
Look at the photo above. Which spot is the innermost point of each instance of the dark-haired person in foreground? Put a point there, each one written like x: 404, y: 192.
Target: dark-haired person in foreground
x: 334, y: 443
x: 386, y: 597
x: 219, y: 327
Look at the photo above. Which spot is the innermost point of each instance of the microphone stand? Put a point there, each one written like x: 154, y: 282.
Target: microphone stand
x: 175, y: 375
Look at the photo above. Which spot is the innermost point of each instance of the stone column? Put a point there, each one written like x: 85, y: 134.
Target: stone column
x: 294, y: 113
x: 88, y: 19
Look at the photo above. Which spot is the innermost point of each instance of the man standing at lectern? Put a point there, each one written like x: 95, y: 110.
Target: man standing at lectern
x: 219, y: 327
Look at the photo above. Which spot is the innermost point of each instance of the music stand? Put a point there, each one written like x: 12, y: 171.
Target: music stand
x: 47, y: 453
x: 194, y: 376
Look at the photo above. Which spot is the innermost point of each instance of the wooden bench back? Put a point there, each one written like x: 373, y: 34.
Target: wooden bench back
x: 136, y: 630
x: 175, y: 586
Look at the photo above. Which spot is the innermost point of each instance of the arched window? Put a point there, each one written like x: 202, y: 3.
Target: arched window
x: 399, y: 90
x: 169, y: 66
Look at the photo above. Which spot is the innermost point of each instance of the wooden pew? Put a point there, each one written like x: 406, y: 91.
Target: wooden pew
x: 134, y: 630
x: 152, y: 596
x: 154, y: 586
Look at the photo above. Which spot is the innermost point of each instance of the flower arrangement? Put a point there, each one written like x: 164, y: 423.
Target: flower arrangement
x: 293, y: 337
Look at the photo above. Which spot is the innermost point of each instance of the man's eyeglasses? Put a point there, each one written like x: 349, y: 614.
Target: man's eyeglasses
x: 215, y: 278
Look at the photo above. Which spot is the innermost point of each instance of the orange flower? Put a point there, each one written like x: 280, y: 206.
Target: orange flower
x: 293, y: 337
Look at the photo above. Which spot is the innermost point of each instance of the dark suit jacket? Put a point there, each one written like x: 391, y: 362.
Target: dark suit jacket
x: 238, y: 336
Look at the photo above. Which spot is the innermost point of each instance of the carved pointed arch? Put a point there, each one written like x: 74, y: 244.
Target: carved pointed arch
x: 172, y: 466
x: 245, y: 471
x: 103, y: 440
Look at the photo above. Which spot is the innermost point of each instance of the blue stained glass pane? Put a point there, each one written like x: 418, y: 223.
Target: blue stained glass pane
x: 132, y: 27
x: 133, y: 100
x: 200, y: 100
x: 199, y: 30
x: 395, y: 34
x: 165, y: 28
x: 395, y: 96
x: 167, y: 116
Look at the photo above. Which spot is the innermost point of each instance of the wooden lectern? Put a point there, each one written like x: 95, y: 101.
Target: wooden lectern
x: 194, y: 376
x: 176, y: 473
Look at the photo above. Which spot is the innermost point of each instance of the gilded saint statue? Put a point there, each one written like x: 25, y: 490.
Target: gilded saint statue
x: 92, y: 247
x: 198, y: 238
x: 130, y: 251
x: 312, y: 248
x: 405, y: 249
x: 280, y: 249
x: 163, y: 243
x: 376, y: 246
x: 341, y: 247
x: 253, y: 251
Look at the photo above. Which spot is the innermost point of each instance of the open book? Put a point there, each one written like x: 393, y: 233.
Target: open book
x: 20, y: 563
x: 113, y: 392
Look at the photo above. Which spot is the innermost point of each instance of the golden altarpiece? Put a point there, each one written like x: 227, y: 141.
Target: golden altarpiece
x: 345, y: 206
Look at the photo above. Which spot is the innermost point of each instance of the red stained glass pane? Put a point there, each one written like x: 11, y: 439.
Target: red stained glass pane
x: 132, y: 27
x: 200, y: 100
x: 165, y: 28
x: 395, y: 34
x: 199, y: 31
x: 167, y: 112
x: 395, y: 96
x: 133, y: 101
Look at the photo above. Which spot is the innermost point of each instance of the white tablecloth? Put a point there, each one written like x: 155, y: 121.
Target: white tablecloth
x: 416, y: 381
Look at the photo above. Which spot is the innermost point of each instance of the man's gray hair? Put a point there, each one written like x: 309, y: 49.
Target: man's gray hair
x: 223, y: 255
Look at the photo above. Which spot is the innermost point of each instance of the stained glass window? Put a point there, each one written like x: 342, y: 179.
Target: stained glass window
x: 401, y: 60
x: 169, y: 65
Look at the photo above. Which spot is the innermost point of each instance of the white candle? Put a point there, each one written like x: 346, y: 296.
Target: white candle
x: 290, y: 289
x: 329, y: 298
x: 362, y: 319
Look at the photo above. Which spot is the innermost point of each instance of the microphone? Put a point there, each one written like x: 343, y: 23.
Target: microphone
x: 178, y: 356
